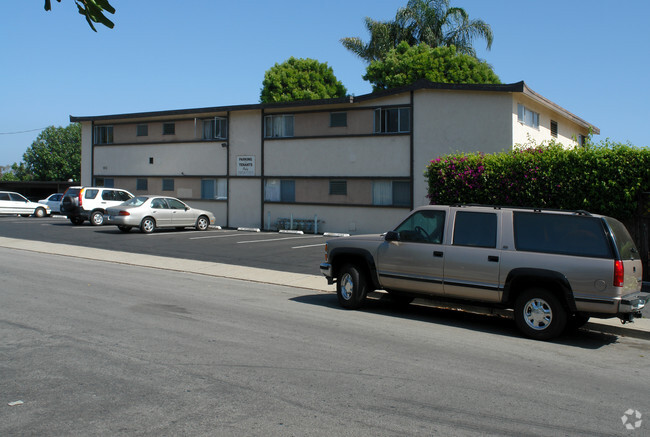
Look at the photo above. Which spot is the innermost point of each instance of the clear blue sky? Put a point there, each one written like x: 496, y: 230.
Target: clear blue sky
x: 588, y: 56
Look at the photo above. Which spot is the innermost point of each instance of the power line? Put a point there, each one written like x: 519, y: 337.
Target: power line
x: 22, y: 131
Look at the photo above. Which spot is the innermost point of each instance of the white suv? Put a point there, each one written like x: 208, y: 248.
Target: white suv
x: 90, y: 203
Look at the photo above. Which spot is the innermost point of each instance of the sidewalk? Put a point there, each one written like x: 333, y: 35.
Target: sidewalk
x: 639, y: 329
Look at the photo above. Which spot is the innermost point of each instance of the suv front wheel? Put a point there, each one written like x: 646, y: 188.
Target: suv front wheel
x: 539, y: 314
x: 351, y: 287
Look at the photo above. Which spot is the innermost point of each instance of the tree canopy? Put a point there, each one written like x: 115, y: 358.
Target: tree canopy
x: 433, y: 22
x: 405, y: 65
x: 55, y: 155
x: 93, y: 10
x: 300, y: 79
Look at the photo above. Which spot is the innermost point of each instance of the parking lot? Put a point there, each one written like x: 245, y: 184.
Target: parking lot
x: 270, y: 250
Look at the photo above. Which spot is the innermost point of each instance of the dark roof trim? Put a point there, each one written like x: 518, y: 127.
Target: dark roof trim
x: 422, y: 84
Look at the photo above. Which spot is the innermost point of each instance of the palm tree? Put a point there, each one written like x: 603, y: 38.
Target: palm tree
x: 433, y: 22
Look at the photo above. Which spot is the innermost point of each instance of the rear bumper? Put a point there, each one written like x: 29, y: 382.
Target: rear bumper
x: 633, y: 303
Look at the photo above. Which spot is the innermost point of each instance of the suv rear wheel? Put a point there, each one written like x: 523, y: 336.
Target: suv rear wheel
x: 97, y: 218
x: 351, y: 287
x: 539, y: 314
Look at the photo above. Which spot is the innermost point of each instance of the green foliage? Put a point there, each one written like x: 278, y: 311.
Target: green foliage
x: 55, y: 155
x: 405, y: 65
x: 433, y: 22
x: 300, y: 79
x: 607, y: 178
x: 93, y: 10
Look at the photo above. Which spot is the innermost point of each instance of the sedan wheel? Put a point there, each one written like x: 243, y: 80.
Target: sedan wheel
x: 148, y: 225
x: 202, y: 223
x: 40, y: 212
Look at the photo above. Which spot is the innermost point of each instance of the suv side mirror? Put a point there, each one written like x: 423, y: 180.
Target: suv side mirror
x: 392, y: 236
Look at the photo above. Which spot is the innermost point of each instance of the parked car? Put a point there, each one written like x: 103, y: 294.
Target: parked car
x: 53, y: 201
x: 554, y: 268
x: 151, y: 212
x: 14, y: 203
x: 89, y: 203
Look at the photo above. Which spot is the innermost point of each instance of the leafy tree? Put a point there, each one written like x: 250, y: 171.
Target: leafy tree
x: 55, y: 155
x: 93, y: 10
x: 405, y: 65
x: 433, y: 22
x: 300, y: 79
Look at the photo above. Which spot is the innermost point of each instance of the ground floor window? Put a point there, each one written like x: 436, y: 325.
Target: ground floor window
x: 168, y: 185
x: 214, y: 189
x: 393, y: 193
x: 280, y: 190
x: 141, y: 184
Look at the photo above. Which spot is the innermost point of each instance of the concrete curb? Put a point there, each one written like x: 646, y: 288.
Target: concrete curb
x: 640, y: 328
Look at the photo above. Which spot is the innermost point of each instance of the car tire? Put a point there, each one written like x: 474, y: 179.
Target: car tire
x: 76, y: 220
x: 97, y: 218
x: 202, y: 223
x: 148, y: 225
x: 351, y: 287
x: 539, y: 314
x: 124, y: 228
x: 39, y: 212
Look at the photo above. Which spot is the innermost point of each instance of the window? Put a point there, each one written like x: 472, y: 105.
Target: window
x: 423, y: 227
x: 176, y: 204
x: 142, y: 130
x: 169, y: 128
x: 103, y: 134
x: 215, y: 128
x: 214, y: 189
x: 527, y: 117
x: 339, y: 188
x: 141, y: 184
x: 560, y: 234
x: 168, y: 185
x: 392, y: 120
x: 582, y: 140
x: 276, y: 190
x: 338, y: 119
x: 475, y: 229
x: 278, y: 126
x: 393, y: 193
x: 104, y: 182
x: 159, y: 204
x: 554, y: 129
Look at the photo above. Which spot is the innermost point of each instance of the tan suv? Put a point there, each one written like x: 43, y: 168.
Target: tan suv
x: 554, y: 268
x: 89, y: 203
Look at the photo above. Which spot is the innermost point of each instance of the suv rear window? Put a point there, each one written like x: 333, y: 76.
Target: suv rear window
x: 561, y: 234
x: 622, y: 239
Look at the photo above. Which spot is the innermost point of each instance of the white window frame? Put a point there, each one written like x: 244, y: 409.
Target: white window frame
x: 527, y: 116
x: 383, y: 117
x: 279, y: 126
x: 215, y: 128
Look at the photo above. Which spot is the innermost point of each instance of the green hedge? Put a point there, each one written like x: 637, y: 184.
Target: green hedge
x: 606, y: 178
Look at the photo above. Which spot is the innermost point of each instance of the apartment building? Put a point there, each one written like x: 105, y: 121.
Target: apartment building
x: 353, y: 164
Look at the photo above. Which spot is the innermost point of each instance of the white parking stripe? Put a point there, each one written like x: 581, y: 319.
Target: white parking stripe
x: 276, y: 239
x: 310, y: 245
x: 234, y: 234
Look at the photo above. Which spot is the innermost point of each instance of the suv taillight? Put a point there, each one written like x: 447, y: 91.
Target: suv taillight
x: 619, y: 276
x: 80, y: 196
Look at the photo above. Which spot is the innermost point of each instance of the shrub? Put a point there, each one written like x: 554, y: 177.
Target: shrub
x: 607, y: 178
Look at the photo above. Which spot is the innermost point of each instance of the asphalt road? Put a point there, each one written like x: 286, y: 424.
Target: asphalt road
x: 269, y: 250
x: 94, y: 348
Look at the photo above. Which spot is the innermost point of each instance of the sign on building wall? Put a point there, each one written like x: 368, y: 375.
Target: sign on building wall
x: 245, y: 166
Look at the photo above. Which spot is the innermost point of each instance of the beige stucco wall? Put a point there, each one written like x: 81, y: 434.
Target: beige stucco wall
x: 202, y: 158
x: 359, y: 122
x: 355, y: 156
x: 245, y: 202
x: 244, y: 138
x: 568, y: 131
x: 357, y: 220
x: 450, y: 122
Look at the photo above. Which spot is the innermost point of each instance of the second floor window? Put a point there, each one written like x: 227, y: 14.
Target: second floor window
x: 392, y: 120
x: 142, y: 130
x: 215, y: 128
x: 527, y: 117
x: 103, y: 134
x: 278, y: 126
x: 169, y: 128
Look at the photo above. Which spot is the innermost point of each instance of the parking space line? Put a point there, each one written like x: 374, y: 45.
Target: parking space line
x: 230, y: 234
x: 276, y: 239
x: 309, y: 245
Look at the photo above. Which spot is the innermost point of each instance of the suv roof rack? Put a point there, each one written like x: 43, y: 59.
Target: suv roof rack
x: 531, y: 208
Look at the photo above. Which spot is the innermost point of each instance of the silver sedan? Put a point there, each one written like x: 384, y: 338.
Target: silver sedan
x: 151, y: 212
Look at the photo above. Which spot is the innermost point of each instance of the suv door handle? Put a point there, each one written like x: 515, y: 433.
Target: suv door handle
x: 493, y: 259
x: 437, y: 254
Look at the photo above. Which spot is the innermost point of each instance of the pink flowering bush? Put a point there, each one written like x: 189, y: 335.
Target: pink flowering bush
x: 607, y: 178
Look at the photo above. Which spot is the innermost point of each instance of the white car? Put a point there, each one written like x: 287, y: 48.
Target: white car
x: 14, y: 203
x: 53, y: 201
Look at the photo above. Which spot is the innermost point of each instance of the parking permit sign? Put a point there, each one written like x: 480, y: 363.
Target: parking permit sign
x: 245, y: 166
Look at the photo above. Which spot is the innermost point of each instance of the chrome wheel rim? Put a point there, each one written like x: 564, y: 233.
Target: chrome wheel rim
x: 202, y: 224
x: 148, y: 225
x: 98, y: 219
x: 538, y: 314
x: 347, y: 286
